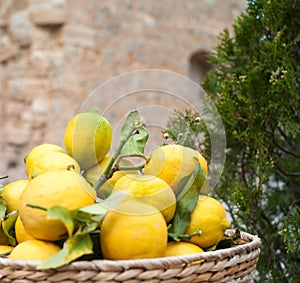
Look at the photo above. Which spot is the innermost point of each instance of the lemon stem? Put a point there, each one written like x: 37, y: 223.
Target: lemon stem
x: 4, y: 177
x: 117, y: 166
x: 177, y: 237
x: 124, y: 168
x: 108, y: 172
x: 36, y: 206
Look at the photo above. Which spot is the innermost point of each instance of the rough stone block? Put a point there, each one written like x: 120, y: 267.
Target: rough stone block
x: 79, y: 35
x: 25, y: 89
x: 48, y: 13
x: 20, y: 28
x: 39, y: 64
x: 7, y: 48
x: 17, y: 135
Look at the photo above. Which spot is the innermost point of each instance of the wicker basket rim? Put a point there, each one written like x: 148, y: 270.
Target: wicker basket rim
x: 253, y: 245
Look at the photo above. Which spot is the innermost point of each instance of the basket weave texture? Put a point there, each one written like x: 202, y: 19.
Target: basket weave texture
x: 235, y: 264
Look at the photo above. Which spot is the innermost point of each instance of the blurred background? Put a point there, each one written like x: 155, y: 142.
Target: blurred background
x: 54, y: 53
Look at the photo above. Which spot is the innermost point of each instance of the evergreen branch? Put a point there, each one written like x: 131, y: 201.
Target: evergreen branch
x: 285, y: 173
x: 243, y: 168
x: 230, y: 208
x: 273, y: 254
x: 294, y: 107
x: 283, y: 149
x: 286, y: 138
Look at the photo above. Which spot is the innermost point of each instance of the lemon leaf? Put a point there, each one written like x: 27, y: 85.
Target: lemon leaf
x: 2, y: 208
x: 136, y: 143
x: 75, y: 218
x: 56, y: 260
x: 65, y: 215
x: 225, y: 243
x: 8, y: 226
x: 96, y: 209
x: 76, y: 246
x: 202, y: 181
x: 212, y: 248
x: 137, y: 134
x: 101, y: 208
x: 187, y: 199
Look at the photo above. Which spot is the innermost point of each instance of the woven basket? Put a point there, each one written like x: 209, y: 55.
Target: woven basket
x: 235, y: 264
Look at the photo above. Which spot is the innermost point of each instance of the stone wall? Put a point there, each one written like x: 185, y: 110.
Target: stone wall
x: 54, y: 53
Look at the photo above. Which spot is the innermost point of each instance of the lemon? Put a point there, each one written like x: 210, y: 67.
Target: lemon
x: 58, y: 187
x: 150, y: 190
x: 173, y: 162
x: 133, y: 231
x: 35, y: 154
x: 34, y: 250
x: 210, y: 217
x: 4, y: 249
x: 20, y: 232
x: 12, y: 192
x: 93, y: 174
x: 88, y: 138
x: 53, y: 161
x: 182, y: 248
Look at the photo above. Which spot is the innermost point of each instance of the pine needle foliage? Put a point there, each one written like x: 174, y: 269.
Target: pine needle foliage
x: 255, y: 85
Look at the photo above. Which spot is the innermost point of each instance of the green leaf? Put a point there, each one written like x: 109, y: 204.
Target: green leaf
x: 101, y: 208
x: 76, y: 246
x: 2, y: 208
x: 5, y: 254
x: 212, y: 248
x: 65, y: 215
x: 187, y: 199
x: 56, y: 260
x: 85, y: 218
x: 225, y: 243
x: 95, y: 208
x: 137, y: 141
x: 202, y: 182
x: 8, y: 226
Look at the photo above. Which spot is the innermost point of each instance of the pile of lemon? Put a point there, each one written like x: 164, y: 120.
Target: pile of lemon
x: 137, y: 227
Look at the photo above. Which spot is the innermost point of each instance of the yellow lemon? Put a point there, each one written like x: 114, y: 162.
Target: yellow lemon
x: 182, y: 248
x: 34, y: 250
x: 150, y: 190
x: 88, y: 138
x: 133, y: 231
x: 93, y: 174
x: 4, y: 250
x: 12, y: 192
x: 35, y: 154
x: 173, y: 162
x: 210, y: 217
x: 58, y: 187
x: 20, y: 232
x: 54, y: 161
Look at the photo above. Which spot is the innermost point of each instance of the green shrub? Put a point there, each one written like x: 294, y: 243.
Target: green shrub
x: 255, y: 87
